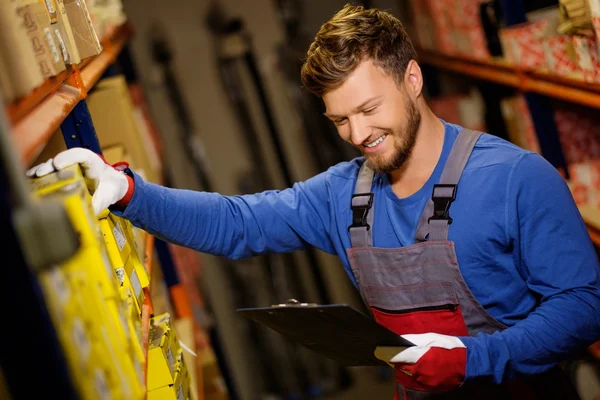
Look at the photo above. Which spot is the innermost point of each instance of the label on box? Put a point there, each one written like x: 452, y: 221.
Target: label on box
x: 59, y: 285
x: 101, y: 386
x: 135, y: 283
x: 171, y: 360
x: 120, y: 275
x: 50, y: 7
x: 52, y: 45
x: 81, y: 340
x: 119, y: 236
x: 61, y: 44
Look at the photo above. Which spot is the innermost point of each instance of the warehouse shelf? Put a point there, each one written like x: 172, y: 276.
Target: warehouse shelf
x: 501, y: 72
x: 36, y: 117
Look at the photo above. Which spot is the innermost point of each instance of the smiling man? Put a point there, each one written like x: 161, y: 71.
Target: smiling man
x: 465, y: 244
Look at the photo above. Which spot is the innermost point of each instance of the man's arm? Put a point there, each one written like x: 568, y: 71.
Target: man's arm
x: 559, y: 263
x: 235, y: 226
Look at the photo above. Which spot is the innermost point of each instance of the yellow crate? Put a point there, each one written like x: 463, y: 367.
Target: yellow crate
x: 161, y: 359
x: 70, y: 187
x: 174, y: 391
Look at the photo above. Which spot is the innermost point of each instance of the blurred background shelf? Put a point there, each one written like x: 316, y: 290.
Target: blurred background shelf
x: 37, y: 116
x: 500, y: 72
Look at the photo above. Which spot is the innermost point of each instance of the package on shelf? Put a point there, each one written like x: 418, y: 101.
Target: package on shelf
x: 20, y: 72
x: 575, y: 17
x: 584, y: 182
x: 83, y: 296
x: 66, y: 33
x: 164, y: 353
x: 522, y: 44
x: 469, y: 36
x: 579, y: 133
x: 121, y: 255
x: 178, y: 390
x: 86, y: 39
x: 462, y: 109
x: 519, y: 124
x: 561, y: 57
x: 588, y: 57
x: 107, y: 16
x: 594, y: 7
x: 112, y: 111
x: 45, y: 43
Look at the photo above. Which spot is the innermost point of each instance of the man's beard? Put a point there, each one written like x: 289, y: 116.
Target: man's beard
x: 402, y: 151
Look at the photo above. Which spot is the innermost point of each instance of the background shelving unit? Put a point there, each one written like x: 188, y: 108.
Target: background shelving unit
x: 533, y: 81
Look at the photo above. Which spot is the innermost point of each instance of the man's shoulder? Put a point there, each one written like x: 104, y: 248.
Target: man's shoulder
x: 491, y: 150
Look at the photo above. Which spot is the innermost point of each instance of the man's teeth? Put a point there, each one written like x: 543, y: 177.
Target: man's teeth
x: 375, y: 143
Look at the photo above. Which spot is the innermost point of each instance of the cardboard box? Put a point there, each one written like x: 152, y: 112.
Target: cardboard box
x: 21, y: 73
x: 45, y: 47
x: 111, y: 108
x: 588, y: 57
x: 85, y: 36
x: 66, y: 32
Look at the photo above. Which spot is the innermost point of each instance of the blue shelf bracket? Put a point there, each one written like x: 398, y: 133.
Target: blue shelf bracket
x: 78, y: 129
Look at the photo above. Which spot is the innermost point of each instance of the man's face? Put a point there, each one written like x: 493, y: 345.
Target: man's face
x: 377, y: 117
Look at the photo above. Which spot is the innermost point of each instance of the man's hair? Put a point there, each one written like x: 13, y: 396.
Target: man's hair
x: 355, y: 34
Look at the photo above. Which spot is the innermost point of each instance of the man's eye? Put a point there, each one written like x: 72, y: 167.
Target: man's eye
x: 369, y: 110
x: 340, y: 121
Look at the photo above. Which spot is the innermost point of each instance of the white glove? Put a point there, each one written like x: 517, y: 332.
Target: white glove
x: 436, y: 363
x: 423, y: 343
x: 109, y: 184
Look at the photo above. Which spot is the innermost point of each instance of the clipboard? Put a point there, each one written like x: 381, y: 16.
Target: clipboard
x: 336, y: 331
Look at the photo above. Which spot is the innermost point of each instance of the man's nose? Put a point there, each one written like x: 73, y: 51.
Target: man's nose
x: 358, y: 131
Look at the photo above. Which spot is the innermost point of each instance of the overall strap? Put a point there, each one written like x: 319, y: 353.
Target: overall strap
x: 435, y: 220
x: 361, y: 232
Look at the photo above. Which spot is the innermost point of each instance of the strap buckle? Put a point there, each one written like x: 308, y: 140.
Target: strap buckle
x: 360, y: 209
x: 443, y: 196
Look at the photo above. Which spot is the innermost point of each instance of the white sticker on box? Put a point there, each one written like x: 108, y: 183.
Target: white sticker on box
x: 171, y: 360
x: 63, y: 47
x: 119, y: 237
x: 81, y: 340
x: 52, y: 45
x: 135, y: 283
x: 50, y: 7
x: 101, y: 386
x: 120, y: 275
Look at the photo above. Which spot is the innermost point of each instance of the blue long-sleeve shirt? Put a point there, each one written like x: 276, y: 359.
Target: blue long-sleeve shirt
x: 521, y: 243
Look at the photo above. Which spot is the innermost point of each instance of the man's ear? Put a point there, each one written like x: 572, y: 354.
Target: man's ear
x: 413, y: 79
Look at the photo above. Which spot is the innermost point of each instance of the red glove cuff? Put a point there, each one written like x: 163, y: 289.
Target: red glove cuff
x: 127, y: 198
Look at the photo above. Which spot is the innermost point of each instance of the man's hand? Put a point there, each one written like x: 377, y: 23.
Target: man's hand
x: 110, y: 186
x: 437, y: 363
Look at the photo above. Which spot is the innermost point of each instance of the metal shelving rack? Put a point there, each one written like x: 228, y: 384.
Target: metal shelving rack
x: 29, y: 123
